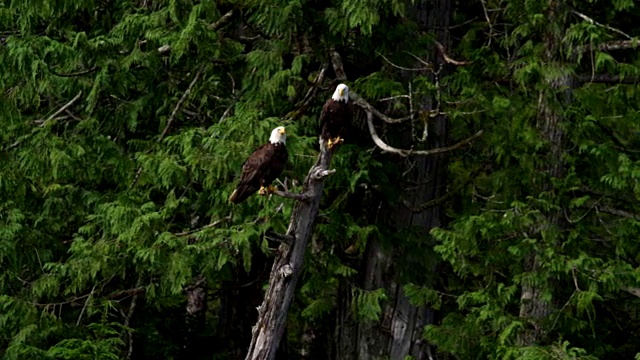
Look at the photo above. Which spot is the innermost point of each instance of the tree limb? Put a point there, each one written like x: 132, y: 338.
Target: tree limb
x: 608, y: 79
x: 593, y: 22
x: 448, y: 59
x: 65, y: 107
x: 182, y: 99
x: 404, y: 152
x: 208, y: 226
x: 294, y: 196
x: 222, y: 20
x: 359, y: 101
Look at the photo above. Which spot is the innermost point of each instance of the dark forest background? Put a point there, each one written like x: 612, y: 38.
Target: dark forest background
x: 124, y: 124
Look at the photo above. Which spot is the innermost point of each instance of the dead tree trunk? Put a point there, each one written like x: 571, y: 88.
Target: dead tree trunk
x: 272, y: 314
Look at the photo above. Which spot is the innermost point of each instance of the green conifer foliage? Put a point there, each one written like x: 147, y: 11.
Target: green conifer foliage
x: 125, y: 124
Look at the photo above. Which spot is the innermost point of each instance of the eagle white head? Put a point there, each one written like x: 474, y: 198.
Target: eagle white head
x: 278, y: 135
x: 341, y: 93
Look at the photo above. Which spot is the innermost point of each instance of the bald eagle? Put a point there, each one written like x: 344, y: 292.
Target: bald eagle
x: 262, y: 167
x: 335, y: 117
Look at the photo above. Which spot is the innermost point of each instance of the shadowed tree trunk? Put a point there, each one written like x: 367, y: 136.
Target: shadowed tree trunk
x: 556, y: 95
x: 399, y: 332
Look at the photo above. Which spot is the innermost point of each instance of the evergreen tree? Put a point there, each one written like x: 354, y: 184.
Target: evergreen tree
x: 125, y: 124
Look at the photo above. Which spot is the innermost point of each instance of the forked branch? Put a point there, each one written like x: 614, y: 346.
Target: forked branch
x: 404, y: 152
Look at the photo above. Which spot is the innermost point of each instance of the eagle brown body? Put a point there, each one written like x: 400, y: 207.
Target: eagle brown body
x: 335, y: 117
x: 260, y: 169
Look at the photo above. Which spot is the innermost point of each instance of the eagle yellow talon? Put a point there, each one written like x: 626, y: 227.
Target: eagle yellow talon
x: 333, y: 142
x: 263, y: 191
x: 271, y: 189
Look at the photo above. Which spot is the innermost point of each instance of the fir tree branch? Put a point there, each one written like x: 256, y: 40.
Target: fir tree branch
x: 165, y: 49
x: 404, y: 152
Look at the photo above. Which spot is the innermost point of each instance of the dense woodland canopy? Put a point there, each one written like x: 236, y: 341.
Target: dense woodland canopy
x: 124, y: 124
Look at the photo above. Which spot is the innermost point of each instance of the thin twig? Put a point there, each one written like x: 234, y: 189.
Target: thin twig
x: 208, y: 226
x: 593, y: 22
x: 85, y: 305
x: 182, y: 99
x: 220, y: 21
x: 127, y: 319
x: 65, y: 107
x: 486, y: 16
x: 358, y: 100
x: 448, y: 59
x: 403, y: 152
x: 401, y: 67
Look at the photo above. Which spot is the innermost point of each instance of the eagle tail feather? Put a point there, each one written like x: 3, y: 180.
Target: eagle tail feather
x: 241, y: 193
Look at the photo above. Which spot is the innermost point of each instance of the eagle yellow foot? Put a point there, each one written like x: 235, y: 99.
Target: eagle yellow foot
x: 271, y: 189
x: 333, y: 142
x: 263, y: 191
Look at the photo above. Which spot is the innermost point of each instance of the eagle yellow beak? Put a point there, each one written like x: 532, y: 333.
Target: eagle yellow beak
x: 282, y: 131
x: 341, y: 92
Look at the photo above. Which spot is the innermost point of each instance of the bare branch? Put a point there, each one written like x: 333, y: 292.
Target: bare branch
x: 403, y: 152
x: 85, y: 305
x: 358, y: 100
x: 593, y: 22
x: 208, y: 226
x: 182, y: 99
x: 402, y: 67
x: 486, y: 16
x: 449, y: 59
x: 608, y: 79
x: 319, y: 173
x: 65, y: 107
x: 127, y: 319
x: 618, y: 212
x: 220, y: 21
x: 288, y: 195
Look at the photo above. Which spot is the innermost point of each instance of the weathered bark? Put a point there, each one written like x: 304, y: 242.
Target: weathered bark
x: 272, y: 314
x: 533, y: 307
x: 399, y: 332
